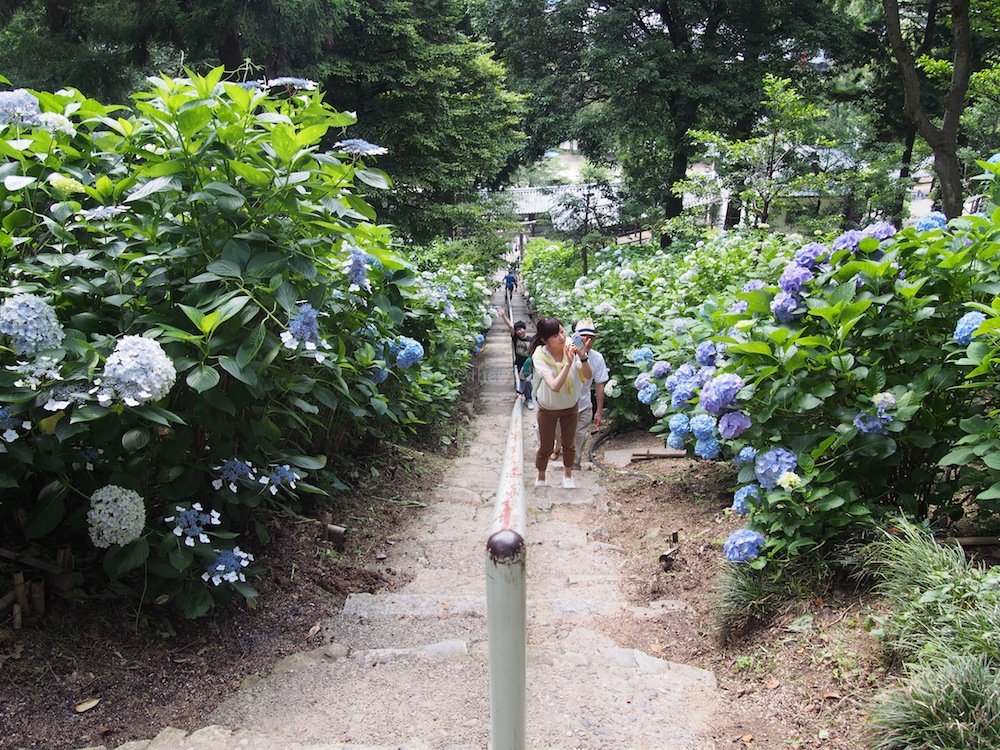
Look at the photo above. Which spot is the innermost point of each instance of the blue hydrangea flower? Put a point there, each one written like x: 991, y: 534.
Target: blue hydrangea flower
x: 739, y: 307
x: 675, y: 441
x: 794, y: 278
x: 733, y: 424
x: 849, y: 240
x: 30, y: 324
x: 783, y: 306
x: 290, y: 81
x: 871, y: 424
x: 356, y: 268
x: 192, y: 522
x: 966, y: 326
x: 703, y: 426
x: 661, y: 369
x: 19, y: 108
x: 227, y: 565
x: 137, y: 371
x: 772, y: 464
x: 811, y: 255
x: 680, y: 424
x: 303, y: 330
x: 880, y: 230
x: 746, y: 455
x: 707, y: 448
x: 647, y: 394
x: 378, y: 375
x: 360, y: 147
x: 10, y: 424
x: 643, y: 355
x: 720, y: 392
x: 231, y: 472
x: 480, y: 338
x: 116, y: 516
x: 280, y: 476
x: 410, y: 352
x: 743, y: 545
x: 42, y: 371
x: 933, y: 220
x: 705, y: 354
x: 745, y: 496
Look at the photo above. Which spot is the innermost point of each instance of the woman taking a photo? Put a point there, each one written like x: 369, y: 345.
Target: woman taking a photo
x: 561, y: 369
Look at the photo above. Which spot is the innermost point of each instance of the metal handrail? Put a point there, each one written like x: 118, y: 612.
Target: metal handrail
x: 506, y: 597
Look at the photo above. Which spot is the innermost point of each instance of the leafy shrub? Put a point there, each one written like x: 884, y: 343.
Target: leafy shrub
x: 199, y: 311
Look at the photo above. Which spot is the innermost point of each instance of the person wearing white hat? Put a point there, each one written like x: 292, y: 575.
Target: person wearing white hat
x: 591, y: 409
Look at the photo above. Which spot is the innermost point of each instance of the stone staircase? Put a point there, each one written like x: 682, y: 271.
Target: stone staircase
x: 409, y: 669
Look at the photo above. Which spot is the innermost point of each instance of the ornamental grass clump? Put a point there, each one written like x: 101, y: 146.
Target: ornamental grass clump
x: 184, y: 287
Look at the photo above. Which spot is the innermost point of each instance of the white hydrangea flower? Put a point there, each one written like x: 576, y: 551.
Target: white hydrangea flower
x: 116, y: 516
x: 137, y: 371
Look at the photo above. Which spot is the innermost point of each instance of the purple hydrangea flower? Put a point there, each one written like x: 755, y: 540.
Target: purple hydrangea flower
x: 881, y: 230
x: 811, y: 255
x: 705, y: 354
x: 966, y: 326
x: 733, y: 424
x: 849, y: 240
x: 753, y: 285
x: 870, y: 424
x: 794, y: 278
x: 661, y: 369
x: 743, y: 545
x: 739, y: 307
x: 720, y: 393
x: 783, y: 306
x: 643, y: 381
x: 772, y: 464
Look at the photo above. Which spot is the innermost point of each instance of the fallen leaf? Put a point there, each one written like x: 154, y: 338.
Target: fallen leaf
x: 86, y: 705
x: 656, y: 648
x: 314, y: 629
x: 830, y: 695
x: 772, y: 684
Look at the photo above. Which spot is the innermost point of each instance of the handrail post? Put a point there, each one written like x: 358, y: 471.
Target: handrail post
x: 506, y: 598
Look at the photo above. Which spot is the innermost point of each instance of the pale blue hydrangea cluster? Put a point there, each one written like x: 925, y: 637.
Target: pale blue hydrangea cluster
x: 746, y: 455
x: 303, y: 84
x: 30, y: 323
x: 643, y: 356
x: 19, y: 108
x: 356, y: 268
x: 720, y: 392
x: 9, y: 424
x: 280, y: 476
x: 771, y: 464
x: 116, y: 516
x: 379, y: 374
x: 744, y: 497
x: 682, y: 385
x: 967, y: 326
x: 932, y: 220
x: 43, y: 371
x: 409, y: 352
x: 360, y: 147
x: 705, y: 354
x: 794, y: 278
x: 190, y: 523
x: 102, y: 213
x: 138, y: 371
x: 227, y: 565
x: 63, y: 396
x: 303, y: 331
x: 743, y: 545
x: 646, y: 387
x: 231, y: 472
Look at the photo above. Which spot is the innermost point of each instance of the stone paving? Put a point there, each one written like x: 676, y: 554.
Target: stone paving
x: 409, y: 669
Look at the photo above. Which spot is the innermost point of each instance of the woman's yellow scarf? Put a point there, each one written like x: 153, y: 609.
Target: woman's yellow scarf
x: 547, y: 358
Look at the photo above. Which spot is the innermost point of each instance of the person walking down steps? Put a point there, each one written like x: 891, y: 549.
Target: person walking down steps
x: 561, y: 370
x: 520, y: 343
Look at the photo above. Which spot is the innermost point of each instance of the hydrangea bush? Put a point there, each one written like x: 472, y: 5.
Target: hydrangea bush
x: 200, y: 317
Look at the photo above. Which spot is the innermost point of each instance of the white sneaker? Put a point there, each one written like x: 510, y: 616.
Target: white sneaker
x: 540, y: 483
x: 531, y: 406
x: 568, y: 483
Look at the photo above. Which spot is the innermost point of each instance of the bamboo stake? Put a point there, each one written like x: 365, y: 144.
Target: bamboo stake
x: 19, y: 592
x: 36, y: 590
x: 16, y: 617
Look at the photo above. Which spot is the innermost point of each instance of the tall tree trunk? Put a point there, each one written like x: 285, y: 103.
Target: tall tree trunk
x: 904, y: 175
x: 942, y: 140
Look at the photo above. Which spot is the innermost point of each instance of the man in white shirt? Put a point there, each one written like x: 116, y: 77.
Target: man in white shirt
x: 591, y: 410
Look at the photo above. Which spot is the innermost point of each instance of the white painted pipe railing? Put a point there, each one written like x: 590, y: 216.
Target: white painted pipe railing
x: 506, y: 597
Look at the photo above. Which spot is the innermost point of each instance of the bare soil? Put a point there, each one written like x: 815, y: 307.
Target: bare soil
x: 800, y: 680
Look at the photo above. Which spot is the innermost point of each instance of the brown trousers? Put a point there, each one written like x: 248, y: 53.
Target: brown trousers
x: 547, y: 420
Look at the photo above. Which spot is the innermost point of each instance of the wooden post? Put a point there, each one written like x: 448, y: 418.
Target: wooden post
x: 36, y: 591
x: 16, y: 617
